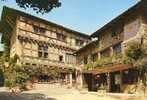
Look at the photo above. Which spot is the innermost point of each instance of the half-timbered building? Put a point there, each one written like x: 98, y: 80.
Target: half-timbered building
x: 38, y: 42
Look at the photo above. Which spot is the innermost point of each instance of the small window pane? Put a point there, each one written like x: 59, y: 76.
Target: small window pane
x: 45, y: 55
x: 60, y: 58
x: 105, y: 53
x: 117, y: 48
x: 39, y: 29
x: 85, y: 60
x: 39, y: 54
x: 79, y: 42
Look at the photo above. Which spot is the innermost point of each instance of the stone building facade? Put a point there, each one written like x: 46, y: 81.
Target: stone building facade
x: 38, y: 42
x: 111, y: 39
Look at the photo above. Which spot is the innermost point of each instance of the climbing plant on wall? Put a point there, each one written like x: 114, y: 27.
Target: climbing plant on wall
x: 136, y: 56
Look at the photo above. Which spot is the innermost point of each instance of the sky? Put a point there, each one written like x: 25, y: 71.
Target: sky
x: 85, y: 16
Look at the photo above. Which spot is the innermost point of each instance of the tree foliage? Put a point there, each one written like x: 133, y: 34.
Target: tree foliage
x: 135, y: 51
x: 40, y: 6
x: 136, y: 56
x: 18, y: 74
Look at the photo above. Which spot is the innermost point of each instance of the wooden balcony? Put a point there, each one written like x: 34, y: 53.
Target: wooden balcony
x: 45, y: 62
x: 52, y: 42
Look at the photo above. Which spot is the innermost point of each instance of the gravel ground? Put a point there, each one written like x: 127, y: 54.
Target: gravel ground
x: 51, y: 92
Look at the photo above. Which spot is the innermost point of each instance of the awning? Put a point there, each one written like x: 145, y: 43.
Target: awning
x: 114, y: 68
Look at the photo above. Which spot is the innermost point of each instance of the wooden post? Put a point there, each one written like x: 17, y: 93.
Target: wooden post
x: 92, y: 82
x: 121, y: 77
x: 99, y: 55
x: 77, y: 77
x: 66, y: 78
x: 111, y: 51
x: 81, y: 80
x: 70, y: 79
x: 108, y: 82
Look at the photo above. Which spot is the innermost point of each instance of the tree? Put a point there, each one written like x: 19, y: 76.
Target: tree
x: 40, y: 6
x: 136, y: 56
x: 134, y: 52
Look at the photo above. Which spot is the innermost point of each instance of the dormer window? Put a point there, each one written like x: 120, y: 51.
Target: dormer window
x: 39, y: 29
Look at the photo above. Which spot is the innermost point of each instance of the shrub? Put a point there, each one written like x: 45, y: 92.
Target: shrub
x: 106, y: 61
x: 16, y: 75
x: 89, y: 66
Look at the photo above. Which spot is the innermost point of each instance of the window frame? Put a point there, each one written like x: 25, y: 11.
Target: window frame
x: 37, y: 29
x: 43, y: 50
x: 105, y: 53
x: 61, y: 37
x: 85, y: 60
x: 94, y: 57
x: 79, y: 42
x: 115, y: 48
x: 61, y: 58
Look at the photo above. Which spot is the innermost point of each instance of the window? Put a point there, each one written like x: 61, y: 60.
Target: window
x: 39, y: 54
x: 33, y: 64
x: 27, y: 63
x: 39, y: 29
x: 70, y: 58
x: 116, y: 31
x: 46, y: 55
x: 42, y: 51
x: 105, y: 53
x: 113, y: 34
x: 45, y: 65
x: 61, y: 58
x: 61, y: 37
x: 117, y: 48
x: 79, y: 42
x: 94, y: 57
x: 85, y: 60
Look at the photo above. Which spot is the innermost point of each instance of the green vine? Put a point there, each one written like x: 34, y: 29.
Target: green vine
x: 105, y: 61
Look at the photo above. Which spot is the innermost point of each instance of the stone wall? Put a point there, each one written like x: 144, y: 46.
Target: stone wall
x: 28, y: 51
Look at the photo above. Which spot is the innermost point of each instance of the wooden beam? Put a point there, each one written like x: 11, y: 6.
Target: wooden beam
x: 121, y: 81
x: 11, y: 23
x: 114, y: 68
